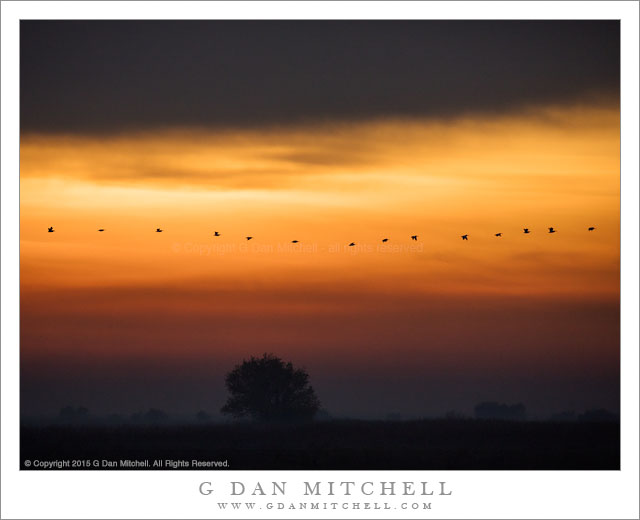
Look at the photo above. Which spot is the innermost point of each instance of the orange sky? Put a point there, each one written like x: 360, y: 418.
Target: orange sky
x: 326, y: 186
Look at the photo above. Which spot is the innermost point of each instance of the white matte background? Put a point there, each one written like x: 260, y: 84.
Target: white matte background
x: 476, y: 494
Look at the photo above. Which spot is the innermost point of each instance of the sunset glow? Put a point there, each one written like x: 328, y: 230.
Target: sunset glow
x: 325, y: 186
x: 328, y: 134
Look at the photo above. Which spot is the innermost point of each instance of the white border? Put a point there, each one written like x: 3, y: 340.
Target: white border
x: 612, y: 494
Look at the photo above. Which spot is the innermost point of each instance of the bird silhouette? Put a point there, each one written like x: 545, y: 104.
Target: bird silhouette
x: 465, y: 237
x: 50, y: 230
x: 591, y: 228
x: 216, y: 234
x: 101, y: 230
x: 158, y: 230
x: 526, y: 230
x: 249, y: 238
x: 551, y: 230
x: 414, y: 237
x: 498, y: 234
x: 385, y: 239
x: 294, y: 241
x: 352, y: 244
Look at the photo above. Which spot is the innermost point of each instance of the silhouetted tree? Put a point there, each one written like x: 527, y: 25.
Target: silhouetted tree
x: 267, y: 389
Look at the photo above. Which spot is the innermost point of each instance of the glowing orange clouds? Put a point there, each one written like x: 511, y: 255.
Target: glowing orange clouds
x: 327, y: 186
x: 434, y: 309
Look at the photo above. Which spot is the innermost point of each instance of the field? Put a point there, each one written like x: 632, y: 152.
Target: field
x: 466, y: 444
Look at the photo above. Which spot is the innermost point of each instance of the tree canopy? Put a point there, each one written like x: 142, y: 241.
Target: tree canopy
x: 267, y: 389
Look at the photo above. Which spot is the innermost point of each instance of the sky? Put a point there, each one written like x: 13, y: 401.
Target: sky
x: 327, y: 133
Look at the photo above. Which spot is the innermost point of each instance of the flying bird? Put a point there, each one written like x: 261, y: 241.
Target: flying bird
x: 216, y: 234
x: 101, y: 230
x: 526, y: 230
x: 465, y: 237
x: 249, y: 238
x: 498, y: 234
x: 294, y: 241
x: 158, y: 230
x: 591, y: 228
x: 551, y: 230
x: 414, y: 237
x: 385, y: 239
x: 50, y: 230
x: 352, y: 244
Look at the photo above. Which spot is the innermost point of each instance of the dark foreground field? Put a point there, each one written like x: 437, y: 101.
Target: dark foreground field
x: 425, y: 444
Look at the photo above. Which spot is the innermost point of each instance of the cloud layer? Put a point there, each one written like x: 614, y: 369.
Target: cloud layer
x: 113, y: 76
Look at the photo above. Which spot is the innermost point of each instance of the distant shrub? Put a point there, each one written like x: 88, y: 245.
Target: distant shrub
x: 599, y: 415
x: 323, y: 415
x: 69, y: 414
x: 203, y: 416
x: 566, y: 416
x: 152, y: 416
x: 494, y: 410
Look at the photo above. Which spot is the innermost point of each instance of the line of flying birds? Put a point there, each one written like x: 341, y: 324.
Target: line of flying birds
x: 526, y: 231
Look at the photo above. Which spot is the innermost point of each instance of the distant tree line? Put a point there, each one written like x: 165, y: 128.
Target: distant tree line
x: 267, y: 389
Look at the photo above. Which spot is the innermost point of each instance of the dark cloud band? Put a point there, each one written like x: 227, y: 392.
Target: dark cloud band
x: 110, y: 76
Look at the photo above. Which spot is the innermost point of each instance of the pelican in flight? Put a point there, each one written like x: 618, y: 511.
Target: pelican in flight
x: 498, y: 234
x: 591, y: 228
x: 414, y: 237
x: 249, y: 238
x: 216, y: 234
x: 352, y: 244
x: 50, y: 230
x: 158, y: 230
x: 385, y: 240
x: 551, y: 230
x: 526, y: 230
x: 465, y: 237
x: 294, y: 241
